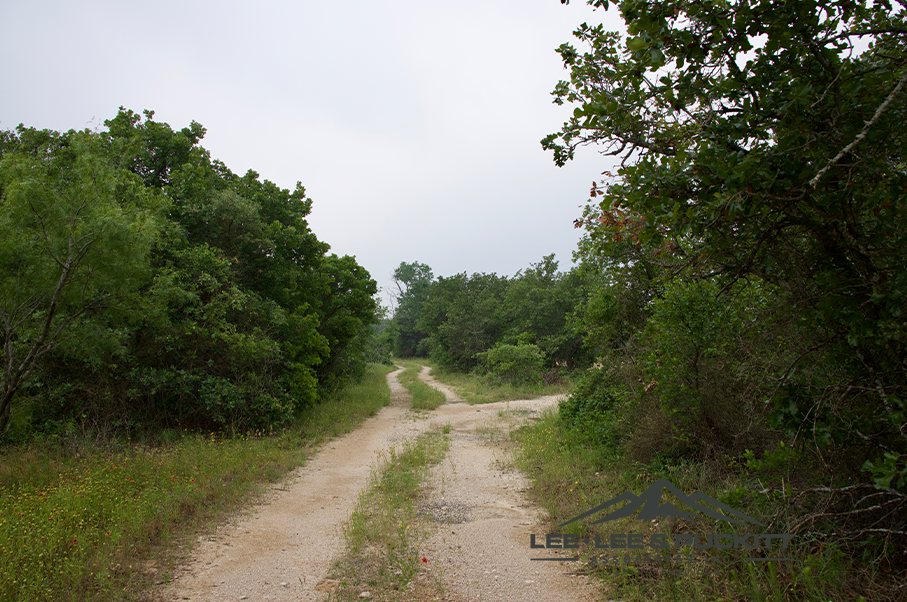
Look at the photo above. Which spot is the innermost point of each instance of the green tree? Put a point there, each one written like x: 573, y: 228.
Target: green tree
x: 348, y: 309
x: 539, y: 304
x: 190, y: 295
x: 621, y: 278
x: 153, y: 150
x: 765, y: 139
x: 409, y: 276
x: 413, y: 281
x: 256, y: 317
x: 75, y: 239
x: 233, y: 341
x: 463, y: 318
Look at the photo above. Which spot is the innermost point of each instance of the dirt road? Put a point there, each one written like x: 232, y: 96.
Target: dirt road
x: 479, y: 552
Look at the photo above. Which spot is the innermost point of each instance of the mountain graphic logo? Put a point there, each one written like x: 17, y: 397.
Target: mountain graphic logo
x: 650, y: 506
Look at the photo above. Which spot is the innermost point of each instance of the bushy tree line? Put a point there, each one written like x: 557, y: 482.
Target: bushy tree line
x: 749, y: 256
x: 146, y: 286
x: 517, y: 328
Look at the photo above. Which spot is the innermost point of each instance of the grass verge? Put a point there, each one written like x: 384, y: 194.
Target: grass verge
x: 570, y: 477
x: 425, y: 397
x: 385, y: 530
x: 100, y: 524
x: 475, y: 389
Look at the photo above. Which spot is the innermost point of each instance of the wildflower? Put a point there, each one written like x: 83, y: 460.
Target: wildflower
x: 424, y: 560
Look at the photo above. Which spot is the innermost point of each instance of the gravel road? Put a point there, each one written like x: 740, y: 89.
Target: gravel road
x: 281, y: 549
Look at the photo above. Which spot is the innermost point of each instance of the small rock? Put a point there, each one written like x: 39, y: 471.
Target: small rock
x: 150, y: 567
x: 365, y: 595
x: 327, y: 585
x: 284, y: 583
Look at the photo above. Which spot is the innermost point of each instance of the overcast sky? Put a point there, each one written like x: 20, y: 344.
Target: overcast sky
x: 413, y: 125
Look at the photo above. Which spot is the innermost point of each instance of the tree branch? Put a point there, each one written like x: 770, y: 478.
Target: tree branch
x: 869, y: 32
x: 882, y: 108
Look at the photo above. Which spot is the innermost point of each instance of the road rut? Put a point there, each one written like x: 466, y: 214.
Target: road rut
x: 282, y: 548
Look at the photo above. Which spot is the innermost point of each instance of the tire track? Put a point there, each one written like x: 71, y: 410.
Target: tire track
x: 283, y: 547
x: 480, y: 550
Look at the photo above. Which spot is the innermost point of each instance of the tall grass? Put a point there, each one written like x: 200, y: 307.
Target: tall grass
x: 569, y: 477
x: 424, y: 396
x: 346, y: 409
x: 93, y: 523
x: 475, y: 389
x: 385, y: 531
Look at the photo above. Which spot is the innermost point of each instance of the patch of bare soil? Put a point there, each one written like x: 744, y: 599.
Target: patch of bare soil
x: 283, y: 548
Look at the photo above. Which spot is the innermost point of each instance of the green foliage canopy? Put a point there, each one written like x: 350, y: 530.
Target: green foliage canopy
x: 765, y: 140
x: 220, y: 307
x: 459, y: 319
x: 413, y: 281
x: 76, y: 238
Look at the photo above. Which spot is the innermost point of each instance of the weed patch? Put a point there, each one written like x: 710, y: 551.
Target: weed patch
x: 425, y: 397
x: 475, y: 389
x: 83, y: 531
x: 385, y: 531
x: 570, y: 476
x: 97, y: 524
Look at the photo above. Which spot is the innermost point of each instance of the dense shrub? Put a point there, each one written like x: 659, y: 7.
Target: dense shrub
x: 705, y: 362
x: 514, y: 363
x: 595, y: 410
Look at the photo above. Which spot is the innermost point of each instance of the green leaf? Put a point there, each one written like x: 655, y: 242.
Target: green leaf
x: 658, y: 59
x: 636, y: 44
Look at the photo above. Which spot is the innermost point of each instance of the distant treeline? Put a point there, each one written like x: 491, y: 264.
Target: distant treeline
x: 531, y: 319
x: 143, y: 285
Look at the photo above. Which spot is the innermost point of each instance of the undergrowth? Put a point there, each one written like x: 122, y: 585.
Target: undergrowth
x: 570, y: 476
x: 90, y: 522
x: 384, y: 532
x: 476, y: 389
